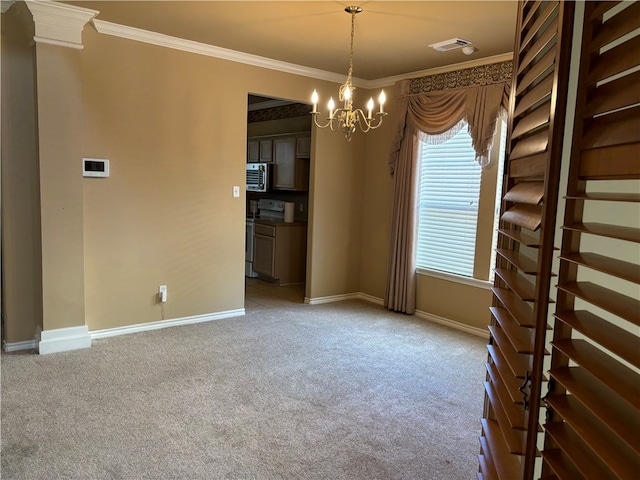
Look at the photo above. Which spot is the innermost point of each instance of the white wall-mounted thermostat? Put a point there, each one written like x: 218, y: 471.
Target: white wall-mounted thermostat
x: 95, y: 167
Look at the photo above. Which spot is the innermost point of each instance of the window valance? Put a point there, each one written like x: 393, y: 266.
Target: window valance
x: 436, y: 113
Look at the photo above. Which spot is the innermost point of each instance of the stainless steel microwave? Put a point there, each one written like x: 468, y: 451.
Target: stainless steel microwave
x: 257, y: 177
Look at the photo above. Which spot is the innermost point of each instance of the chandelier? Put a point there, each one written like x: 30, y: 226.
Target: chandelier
x: 346, y: 118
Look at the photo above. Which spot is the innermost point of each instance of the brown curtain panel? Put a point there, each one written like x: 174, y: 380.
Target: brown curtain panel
x: 437, y: 115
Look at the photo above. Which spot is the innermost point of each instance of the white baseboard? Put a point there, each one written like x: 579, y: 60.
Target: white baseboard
x: 484, y: 333
x: 331, y: 298
x: 342, y: 298
x: 63, y: 339
x: 17, y: 346
x: 143, y: 327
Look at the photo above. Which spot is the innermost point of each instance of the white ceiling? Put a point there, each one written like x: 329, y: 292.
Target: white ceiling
x: 391, y: 37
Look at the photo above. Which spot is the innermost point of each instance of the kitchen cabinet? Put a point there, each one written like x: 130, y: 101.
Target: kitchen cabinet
x: 259, y: 150
x: 303, y: 146
x: 290, y: 172
x: 280, y: 251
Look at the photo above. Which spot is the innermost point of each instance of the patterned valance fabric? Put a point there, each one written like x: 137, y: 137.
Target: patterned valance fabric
x: 280, y: 112
x: 468, y: 77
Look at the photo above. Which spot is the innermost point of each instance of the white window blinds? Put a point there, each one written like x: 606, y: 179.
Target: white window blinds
x: 449, y: 190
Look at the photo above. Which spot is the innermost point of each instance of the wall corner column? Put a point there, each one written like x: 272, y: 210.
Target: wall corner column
x: 58, y: 41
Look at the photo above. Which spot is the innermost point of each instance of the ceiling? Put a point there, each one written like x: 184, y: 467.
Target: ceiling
x: 392, y: 38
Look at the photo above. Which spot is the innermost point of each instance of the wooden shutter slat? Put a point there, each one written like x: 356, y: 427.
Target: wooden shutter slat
x: 533, y: 166
x: 611, y: 450
x: 616, y: 27
x: 540, y: 70
x: 517, y: 308
x: 512, y: 383
x: 513, y: 412
x: 629, y: 234
x: 581, y: 456
x: 532, y: 121
x: 519, y: 260
x: 517, y: 363
x: 513, y: 438
x: 620, y: 305
x: 601, y: 8
x: 519, y: 338
x: 620, y: 161
x: 610, y: 336
x: 531, y: 8
x: 532, y: 145
x: 486, y: 464
x: 617, y: 60
x: 619, y: 415
x: 613, y: 129
x: 607, y: 196
x: 530, y: 193
x: 525, y: 216
x: 561, y: 465
x: 539, y: 45
x: 606, y: 369
x: 516, y: 282
x: 508, y: 465
x: 616, y: 94
x: 520, y: 237
x: 538, y: 93
x: 538, y: 24
x: 611, y: 266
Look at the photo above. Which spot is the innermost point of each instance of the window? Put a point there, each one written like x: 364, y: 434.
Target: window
x: 450, y: 185
x: 449, y: 192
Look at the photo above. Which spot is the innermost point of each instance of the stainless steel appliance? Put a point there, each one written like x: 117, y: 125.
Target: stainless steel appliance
x: 257, y: 177
x: 267, y: 209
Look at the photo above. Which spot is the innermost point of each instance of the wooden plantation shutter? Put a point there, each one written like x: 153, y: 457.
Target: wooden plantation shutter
x: 593, y: 417
x: 525, y: 243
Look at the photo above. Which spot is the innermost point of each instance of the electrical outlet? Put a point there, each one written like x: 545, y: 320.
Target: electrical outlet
x: 236, y: 191
x: 162, y: 293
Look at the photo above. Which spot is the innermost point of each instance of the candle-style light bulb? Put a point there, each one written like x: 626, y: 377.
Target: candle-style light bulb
x: 347, y: 93
x: 314, y: 100
x: 331, y: 106
x: 370, y: 107
x: 382, y: 98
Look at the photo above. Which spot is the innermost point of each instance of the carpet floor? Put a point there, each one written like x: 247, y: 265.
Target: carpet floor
x: 336, y: 391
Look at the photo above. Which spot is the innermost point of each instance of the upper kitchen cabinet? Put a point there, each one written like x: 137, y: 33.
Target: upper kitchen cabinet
x: 259, y: 150
x: 303, y: 146
x: 291, y: 170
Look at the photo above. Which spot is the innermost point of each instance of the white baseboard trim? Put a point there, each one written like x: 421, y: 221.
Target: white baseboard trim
x: 143, y: 327
x: 484, y: 333
x: 342, y: 298
x: 370, y: 298
x: 62, y: 339
x: 17, y: 346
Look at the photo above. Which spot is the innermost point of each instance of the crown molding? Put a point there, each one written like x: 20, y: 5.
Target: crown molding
x: 159, y: 39
x: 59, y: 24
x: 162, y: 40
x: 6, y: 5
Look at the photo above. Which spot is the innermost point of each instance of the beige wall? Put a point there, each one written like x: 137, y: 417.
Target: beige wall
x: 21, y: 242
x: 176, y: 139
x: 377, y: 200
x: 59, y: 101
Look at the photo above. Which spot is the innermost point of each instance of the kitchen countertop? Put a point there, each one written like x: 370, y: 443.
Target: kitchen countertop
x: 271, y: 221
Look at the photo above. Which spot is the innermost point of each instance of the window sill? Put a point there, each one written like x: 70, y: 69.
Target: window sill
x: 450, y: 277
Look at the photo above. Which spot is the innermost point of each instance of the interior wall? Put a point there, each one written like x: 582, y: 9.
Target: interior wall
x: 377, y: 202
x: 21, y: 241
x: 174, y: 128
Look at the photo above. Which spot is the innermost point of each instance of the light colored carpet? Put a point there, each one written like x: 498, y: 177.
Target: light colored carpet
x: 346, y: 390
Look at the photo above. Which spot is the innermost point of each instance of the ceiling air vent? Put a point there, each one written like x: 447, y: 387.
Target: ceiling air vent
x: 450, y: 44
